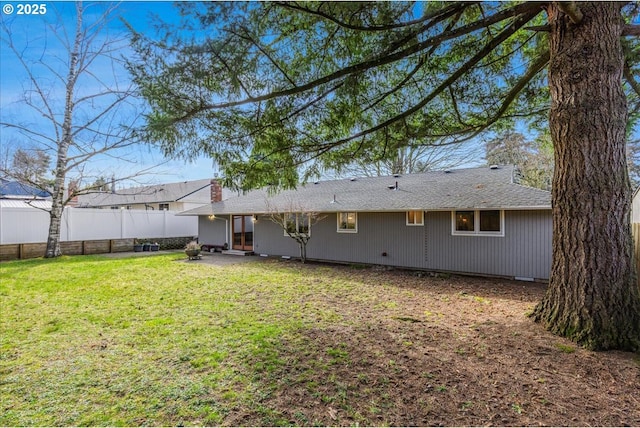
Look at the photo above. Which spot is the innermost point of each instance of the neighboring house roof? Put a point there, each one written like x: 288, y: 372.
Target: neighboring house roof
x: 17, y: 190
x: 473, y: 188
x: 197, y: 191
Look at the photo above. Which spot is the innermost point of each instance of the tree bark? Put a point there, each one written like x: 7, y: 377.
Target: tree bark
x: 593, y: 295
x: 55, y: 220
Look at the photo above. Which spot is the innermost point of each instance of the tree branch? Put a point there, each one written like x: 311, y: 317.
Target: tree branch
x: 250, y: 39
x: 527, y: 9
x: 631, y: 79
x: 415, y: 69
x: 317, y: 12
x: 504, y: 35
x: 539, y: 28
x: 534, y: 69
x: 492, y: 44
x: 631, y: 30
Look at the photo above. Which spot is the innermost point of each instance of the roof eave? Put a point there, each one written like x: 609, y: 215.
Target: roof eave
x: 199, y: 211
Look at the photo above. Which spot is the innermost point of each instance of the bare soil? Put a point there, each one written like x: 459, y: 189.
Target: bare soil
x: 442, y: 351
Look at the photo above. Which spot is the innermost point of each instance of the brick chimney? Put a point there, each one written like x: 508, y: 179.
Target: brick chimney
x: 71, y: 194
x: 216, y: 191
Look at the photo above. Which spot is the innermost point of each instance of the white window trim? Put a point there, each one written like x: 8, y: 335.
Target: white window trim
x: 414, y: 224
x: 339, y: 230
x: 297, y: 216
x: 477, y: 232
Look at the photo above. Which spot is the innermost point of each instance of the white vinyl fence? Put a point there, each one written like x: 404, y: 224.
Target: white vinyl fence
x: 31, y: 225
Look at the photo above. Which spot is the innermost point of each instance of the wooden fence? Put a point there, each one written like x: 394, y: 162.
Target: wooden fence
x: 71, y: 248
x: 75, y: 248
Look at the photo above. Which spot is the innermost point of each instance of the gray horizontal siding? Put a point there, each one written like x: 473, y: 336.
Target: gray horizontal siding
x: 524, y: 251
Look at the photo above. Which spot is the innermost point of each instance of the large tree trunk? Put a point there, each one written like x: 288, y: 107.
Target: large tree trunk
x: 593, y: 295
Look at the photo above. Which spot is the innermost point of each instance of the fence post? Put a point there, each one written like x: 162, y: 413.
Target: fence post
x: 164, y: 224
x: 66, y: 212
x: 122, y: 226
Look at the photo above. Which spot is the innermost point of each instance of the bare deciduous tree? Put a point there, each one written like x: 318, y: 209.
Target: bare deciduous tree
x: 296, y: 221
x: 534, y: 159
x: 410, y: 160
x: 30, y: 167
x: 87, y: 112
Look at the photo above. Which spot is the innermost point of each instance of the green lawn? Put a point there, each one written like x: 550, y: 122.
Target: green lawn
x: 95, y: 341
x: 154, y: 340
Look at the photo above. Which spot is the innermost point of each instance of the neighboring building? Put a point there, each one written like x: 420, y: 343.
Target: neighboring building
x: 21, y: 191
x: 475, y: 221
x: 171, y: 196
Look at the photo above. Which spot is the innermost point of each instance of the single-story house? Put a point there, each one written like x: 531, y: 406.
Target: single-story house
x: 169, y: 196
x: 472, y: 221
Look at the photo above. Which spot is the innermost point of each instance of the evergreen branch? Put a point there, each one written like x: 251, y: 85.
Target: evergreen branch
x: 296, y: 7
x: 489, y: 47
x: 628, y: 75
x: 534, y: 69
x: 415, y: 69
x: 528, y: 10
x: 251, y: 40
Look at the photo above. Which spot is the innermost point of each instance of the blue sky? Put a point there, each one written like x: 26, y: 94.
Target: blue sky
x: 39, y: 36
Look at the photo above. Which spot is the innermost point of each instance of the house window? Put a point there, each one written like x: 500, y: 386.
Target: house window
x: 490, y: 221
x: 465, y: 221
x: 163, y: 207
x: 348, y: 222
x: 415, y: 218
x: 298, y: 224
x: 478, y: 223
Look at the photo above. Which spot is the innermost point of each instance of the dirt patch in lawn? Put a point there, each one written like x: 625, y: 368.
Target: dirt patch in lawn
x: 416, y: 351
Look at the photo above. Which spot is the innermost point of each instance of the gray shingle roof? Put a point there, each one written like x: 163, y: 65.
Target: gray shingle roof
x: 473, y: 188
x: 196, y: 191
